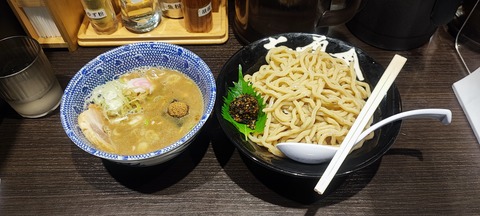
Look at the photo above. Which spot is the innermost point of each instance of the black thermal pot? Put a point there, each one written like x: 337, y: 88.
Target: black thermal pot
x: 400, y: 24
x: 255, y: 19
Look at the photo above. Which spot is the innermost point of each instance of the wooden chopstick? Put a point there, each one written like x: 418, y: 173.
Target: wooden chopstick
x: 393, y: 69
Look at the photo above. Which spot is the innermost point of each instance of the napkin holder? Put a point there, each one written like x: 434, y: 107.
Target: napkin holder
x: 67, y: 16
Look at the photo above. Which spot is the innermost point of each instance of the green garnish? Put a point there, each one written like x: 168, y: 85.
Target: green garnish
x: 238, y: 89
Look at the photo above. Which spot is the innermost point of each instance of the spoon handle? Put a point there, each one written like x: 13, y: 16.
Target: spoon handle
x: 444, y: 115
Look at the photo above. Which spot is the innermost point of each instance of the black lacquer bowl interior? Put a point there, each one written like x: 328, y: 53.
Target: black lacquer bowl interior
x: 252, y: 56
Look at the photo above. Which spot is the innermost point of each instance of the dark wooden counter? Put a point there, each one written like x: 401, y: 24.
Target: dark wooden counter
x: 431, y: 170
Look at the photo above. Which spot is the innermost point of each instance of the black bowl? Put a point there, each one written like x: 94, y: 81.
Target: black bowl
x: 252, y: 56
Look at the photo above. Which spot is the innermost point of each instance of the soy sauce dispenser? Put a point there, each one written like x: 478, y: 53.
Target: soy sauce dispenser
x: 101, y: 15
x: 197, y: 15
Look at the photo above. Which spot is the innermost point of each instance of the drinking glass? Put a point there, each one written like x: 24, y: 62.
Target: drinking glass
x: 27, y: 81
x: 140, y: 15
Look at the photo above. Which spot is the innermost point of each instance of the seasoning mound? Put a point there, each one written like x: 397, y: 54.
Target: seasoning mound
x: 244, y: 109
x: 177, y: 109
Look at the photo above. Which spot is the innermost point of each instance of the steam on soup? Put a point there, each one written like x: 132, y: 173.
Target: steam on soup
x: 142, y: 111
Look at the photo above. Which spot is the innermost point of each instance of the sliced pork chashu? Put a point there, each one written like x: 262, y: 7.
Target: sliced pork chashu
x: 92, y: 122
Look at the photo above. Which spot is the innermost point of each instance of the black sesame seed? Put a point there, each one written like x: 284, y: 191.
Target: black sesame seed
x: 244, y: 109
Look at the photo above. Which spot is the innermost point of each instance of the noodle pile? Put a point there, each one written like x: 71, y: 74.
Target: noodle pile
x: 310, y: 97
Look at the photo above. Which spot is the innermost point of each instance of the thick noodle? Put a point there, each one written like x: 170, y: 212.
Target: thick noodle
x: 310, y: 97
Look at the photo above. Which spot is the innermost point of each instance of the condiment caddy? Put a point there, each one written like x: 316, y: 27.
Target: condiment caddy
x: 171, y: 30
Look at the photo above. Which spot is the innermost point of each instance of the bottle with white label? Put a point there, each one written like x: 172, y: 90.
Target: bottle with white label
x: 101, y: 15
x: 172, y: 8
x: 197, y: 15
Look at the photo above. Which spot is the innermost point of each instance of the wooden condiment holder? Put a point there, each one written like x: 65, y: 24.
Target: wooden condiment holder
x: 66, y: 14
x: 75, y: 29
x: 169, y: 30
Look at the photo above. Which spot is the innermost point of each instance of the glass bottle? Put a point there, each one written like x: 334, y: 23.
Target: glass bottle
x: 172, y: 8
x: 101, y: 15
x: 116, y: 6
x: 216, y: 5
x: 197, y: 15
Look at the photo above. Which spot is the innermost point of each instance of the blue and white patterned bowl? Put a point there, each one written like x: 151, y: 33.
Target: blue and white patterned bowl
x: 111, y: 65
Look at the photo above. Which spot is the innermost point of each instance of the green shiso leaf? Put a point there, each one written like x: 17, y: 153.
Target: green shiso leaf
x: 242, y: 88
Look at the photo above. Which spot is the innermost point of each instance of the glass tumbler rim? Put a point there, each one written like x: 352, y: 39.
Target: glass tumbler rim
x: 37, y: 48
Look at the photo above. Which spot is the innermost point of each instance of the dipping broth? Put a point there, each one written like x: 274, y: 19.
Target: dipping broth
x: 143, y: 111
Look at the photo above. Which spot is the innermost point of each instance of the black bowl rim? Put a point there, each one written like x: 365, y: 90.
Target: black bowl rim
x: 380, y: 152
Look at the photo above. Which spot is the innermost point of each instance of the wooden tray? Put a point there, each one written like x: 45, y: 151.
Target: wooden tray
x: 169, y: 30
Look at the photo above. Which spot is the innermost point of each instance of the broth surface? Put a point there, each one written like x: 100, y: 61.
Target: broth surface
x: 153, y: 128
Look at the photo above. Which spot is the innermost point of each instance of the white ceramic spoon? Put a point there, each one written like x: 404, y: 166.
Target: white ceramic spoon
x: 315, y: 154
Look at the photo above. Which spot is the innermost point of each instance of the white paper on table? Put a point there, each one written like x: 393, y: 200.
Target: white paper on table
x: 467, y: 91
